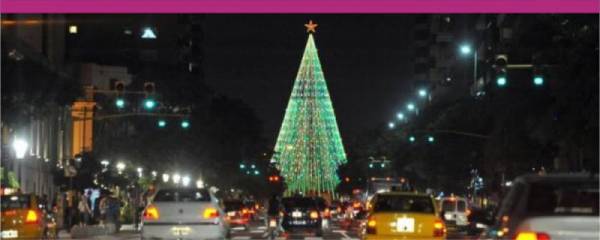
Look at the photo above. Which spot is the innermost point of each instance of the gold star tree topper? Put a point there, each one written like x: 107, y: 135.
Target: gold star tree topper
x: 310, y: 26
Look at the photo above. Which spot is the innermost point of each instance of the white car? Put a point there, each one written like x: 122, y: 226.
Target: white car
x: 184, y: 213
x: 456, y: 211
x: 558, y: 206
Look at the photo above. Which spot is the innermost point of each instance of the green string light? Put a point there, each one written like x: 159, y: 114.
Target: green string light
x: 309, y: 147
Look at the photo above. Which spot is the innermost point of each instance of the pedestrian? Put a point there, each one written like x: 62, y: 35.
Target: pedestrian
x: 84, y: 210
x: 113, y: 212
x: 103, y: 207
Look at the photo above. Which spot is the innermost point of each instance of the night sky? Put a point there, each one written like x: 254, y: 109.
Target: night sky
x: 366, y: 60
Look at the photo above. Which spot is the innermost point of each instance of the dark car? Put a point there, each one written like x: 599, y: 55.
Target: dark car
x: 237, y: 214
x: 302, y: 215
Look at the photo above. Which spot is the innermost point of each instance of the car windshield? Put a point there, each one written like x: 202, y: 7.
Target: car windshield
x: 461, y: 206
x: 289, y: 203
x: 448, y: 205
x: 233, y: 206
x: 401, y: 203
x: 321, y: 204
x: 577, y: 198
x: 14, y: 202
x: 182, y: 195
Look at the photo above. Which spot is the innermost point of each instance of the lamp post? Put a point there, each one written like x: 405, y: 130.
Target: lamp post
x: 466, y: 50
x: 20, y: 146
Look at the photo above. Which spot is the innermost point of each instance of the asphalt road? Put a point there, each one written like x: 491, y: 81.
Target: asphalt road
x: 257, y: 230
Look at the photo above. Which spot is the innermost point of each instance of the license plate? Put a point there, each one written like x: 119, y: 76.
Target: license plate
x: 405, y: 225
x: 297, y: 214
x: 298, y: 222
x: 181, y: 231
x: 10, y: 234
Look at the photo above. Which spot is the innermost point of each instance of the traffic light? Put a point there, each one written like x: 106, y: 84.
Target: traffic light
x: 242, y: 166
x: 120, y: 102
x: 430, y: 139
x: 119, y: 88
x: 162, y: 123
x: 149, y: 102
x: 538, y: 76
x: 500, y: 67
x: 382, y: 165
x: 412, y: 139
x: 185, y: 124
x: 371, y: 165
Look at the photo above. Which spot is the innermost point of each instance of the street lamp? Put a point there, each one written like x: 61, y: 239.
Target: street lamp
x: 165, y: 177
x: 400, y: 116
x: 176, y: 178
x: 422, y: 93
x: 465, y: 49
x: 154, y: 173
x: 199, y: 183
x: 120, y: 167
x: 20, y: 146
x: 391, y: 125
x: 140, y: 171
x: 410, y: 106
x: 185, y: 181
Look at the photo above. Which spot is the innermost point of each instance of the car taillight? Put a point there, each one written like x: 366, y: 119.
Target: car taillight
x: 210, y: 213
x: 371, y: 226
x: 314, y: 215
x: 532, y: 236
x: 327, y: 213
x: 151, y: 213
x: 244, y: 211
x: 439, y: 230
x: 32, y: 217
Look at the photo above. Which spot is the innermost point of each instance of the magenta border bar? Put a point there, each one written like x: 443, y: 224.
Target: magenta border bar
x: 300, y: 6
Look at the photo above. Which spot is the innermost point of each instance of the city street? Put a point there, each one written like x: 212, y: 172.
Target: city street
x: 347, y: 126
x: 257, y: 230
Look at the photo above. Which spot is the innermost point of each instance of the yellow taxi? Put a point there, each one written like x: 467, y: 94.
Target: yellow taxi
x: 22, y: 218
x: 403, y: 215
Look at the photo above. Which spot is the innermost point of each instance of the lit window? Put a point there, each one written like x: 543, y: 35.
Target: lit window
x: 73, y: 29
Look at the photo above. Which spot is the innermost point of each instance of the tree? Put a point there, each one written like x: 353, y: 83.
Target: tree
x: 309, y: 147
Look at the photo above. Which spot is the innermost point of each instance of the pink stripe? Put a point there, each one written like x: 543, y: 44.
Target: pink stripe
x: 299, y: 6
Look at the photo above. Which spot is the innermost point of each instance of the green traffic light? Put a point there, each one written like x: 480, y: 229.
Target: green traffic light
x: 370, y: 165
x: 431, y: 139
x: 538, y: 80
x: 256, y: 172
x: 149, y: 104
x: 162, y: 123
x: 412, y: 139
x: 185, y: 124
x: 383, y: 165
x: 501, y: 81
x: 242, y: 166
x: 120, y: 103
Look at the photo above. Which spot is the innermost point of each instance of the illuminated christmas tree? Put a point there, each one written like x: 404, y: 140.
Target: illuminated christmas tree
x: 309, y: 147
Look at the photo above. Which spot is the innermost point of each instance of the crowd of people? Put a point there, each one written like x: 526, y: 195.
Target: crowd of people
x: 80, y: 210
